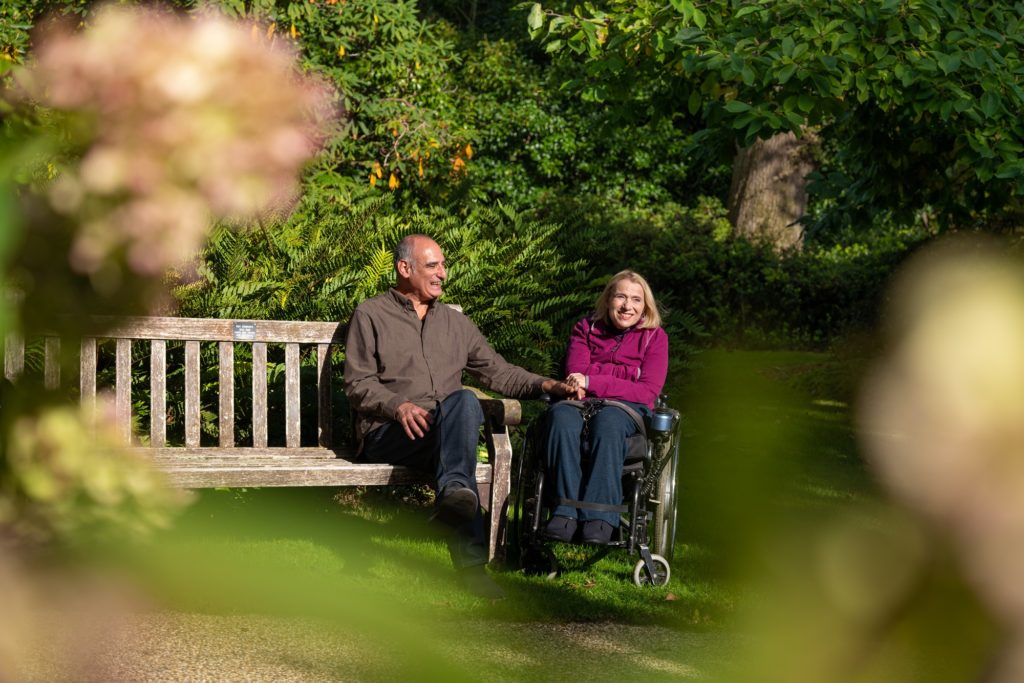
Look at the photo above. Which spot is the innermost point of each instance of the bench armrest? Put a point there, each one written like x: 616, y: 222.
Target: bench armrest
x: 502, y: 411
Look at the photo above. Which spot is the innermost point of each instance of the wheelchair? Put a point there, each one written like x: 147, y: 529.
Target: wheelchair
x: 647, y: 525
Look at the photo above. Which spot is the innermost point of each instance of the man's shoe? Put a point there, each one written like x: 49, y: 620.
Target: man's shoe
x: 597, y: 531
x: 456, y: 506
x: 477, y: 582
x: 560, y: 528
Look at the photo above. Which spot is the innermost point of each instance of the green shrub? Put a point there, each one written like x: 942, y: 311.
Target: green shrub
x: 738, y: 292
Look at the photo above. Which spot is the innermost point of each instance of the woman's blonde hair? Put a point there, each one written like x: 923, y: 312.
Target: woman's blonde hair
x: 651, y: 318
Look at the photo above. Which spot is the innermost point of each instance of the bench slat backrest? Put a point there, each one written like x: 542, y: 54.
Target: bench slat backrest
x: 193, y: 332
x: 14, y: 356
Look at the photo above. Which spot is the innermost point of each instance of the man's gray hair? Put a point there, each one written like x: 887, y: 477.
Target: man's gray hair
x: 404, y: 248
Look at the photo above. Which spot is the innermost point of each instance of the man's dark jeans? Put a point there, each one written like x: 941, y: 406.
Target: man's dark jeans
x: 448, y: 450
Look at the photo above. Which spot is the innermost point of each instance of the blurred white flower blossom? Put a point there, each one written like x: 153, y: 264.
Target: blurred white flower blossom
x: 190, y: 121
x: 70, y: 476
x: 943, y: 415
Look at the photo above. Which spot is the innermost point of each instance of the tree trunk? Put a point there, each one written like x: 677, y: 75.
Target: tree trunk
x: 769, y: 190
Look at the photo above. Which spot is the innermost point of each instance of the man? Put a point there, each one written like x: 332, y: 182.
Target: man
x: 405, y: 355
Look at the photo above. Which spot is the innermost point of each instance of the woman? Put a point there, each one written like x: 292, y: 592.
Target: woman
x: 619, y: 353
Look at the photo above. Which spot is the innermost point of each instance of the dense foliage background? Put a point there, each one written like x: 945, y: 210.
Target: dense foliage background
x: 454, y: 120
x: 546, y: 147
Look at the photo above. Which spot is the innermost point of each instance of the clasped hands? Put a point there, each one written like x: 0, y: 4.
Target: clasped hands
x: 574, y: 387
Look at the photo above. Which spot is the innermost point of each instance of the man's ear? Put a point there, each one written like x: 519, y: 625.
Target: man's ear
x: 404, y: 268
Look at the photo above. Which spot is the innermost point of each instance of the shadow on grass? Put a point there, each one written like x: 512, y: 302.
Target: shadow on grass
x: 301, y: 552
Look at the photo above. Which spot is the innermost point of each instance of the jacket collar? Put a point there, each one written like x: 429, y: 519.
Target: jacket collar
x: 405, y: 302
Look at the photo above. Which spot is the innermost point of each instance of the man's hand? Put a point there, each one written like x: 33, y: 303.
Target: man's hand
x: 414, y: 420
x: 562, y: 389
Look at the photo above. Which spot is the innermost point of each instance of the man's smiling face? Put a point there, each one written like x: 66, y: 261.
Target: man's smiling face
x: 424, y: 273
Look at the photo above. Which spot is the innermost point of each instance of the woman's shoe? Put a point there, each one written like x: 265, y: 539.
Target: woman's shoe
x: 597, y: 531
x: 560, y: 528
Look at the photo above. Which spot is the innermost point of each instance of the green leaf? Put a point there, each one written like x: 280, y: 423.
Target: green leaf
x: 694, y: 102
x: 1010, y: 169
x: 735, y: 107
x: 786, y: 72
x: 553, y: 46
x: 699, y: 18
x: 536, y: 18
x: 743, y: 121
x: 690, y: 34
x: 949, y: 63
x: 946, y: 110
x: 795, y: 119
x: 990, y: 104
x: 747, y: 9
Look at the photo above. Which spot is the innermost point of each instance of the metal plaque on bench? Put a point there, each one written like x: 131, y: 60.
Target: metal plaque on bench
x: 244, y: 331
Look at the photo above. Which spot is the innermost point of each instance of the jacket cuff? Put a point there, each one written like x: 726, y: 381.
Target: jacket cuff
x: 391, y: 407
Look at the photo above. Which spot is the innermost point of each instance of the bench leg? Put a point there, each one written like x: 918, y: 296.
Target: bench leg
x: 501, y: 473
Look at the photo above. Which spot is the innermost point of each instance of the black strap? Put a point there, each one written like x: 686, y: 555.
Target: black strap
x: 584, y: 505
x: 591, y: 406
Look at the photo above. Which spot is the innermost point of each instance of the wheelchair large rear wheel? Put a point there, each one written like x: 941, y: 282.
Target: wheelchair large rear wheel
x: 663, y: 539
x: 522, y: 506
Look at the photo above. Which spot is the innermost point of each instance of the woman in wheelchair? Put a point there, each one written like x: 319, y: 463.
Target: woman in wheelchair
x: 618, y: 353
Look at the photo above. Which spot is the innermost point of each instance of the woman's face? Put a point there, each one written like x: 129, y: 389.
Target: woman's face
x: 626, y: 305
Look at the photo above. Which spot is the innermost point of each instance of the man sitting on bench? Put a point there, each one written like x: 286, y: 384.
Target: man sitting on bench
x: 405, y: 354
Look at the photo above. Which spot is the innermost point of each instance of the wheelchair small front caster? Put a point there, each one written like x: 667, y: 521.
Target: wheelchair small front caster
x: 662, y: 572
x: 539, y: 560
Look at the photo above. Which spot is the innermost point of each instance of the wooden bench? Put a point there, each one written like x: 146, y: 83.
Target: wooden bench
x: 256, y: 463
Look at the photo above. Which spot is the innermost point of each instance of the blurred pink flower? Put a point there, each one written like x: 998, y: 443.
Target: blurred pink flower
x: 191, y: 121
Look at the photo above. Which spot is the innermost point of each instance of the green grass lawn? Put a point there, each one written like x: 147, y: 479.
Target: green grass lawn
x: 766, y: 442
x: 789, y: 565
x: 755, y: 445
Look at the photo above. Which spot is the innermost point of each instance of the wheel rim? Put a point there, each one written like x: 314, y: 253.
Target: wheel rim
x: 665, y: 517
x: 662, y: 572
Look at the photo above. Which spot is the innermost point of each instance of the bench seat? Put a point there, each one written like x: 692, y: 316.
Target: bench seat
x: 254, y: 467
